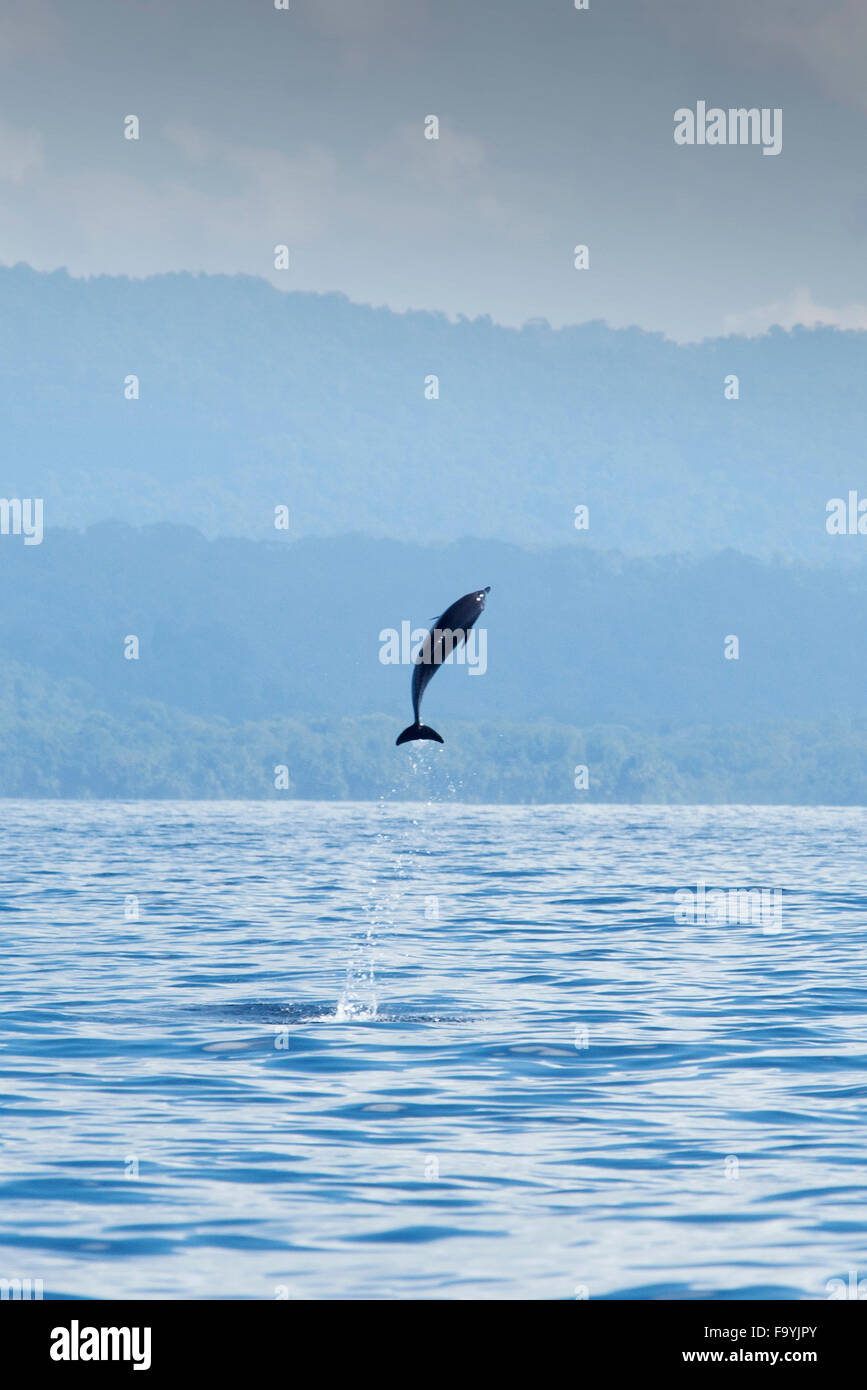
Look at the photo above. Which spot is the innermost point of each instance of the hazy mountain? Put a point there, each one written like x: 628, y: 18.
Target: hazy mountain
x: 253, y: 654
x: 251, y: 398
x: 253, y: 630
x: 59, y: 741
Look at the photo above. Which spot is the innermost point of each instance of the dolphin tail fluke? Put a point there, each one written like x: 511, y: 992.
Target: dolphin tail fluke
x: 418, y: 731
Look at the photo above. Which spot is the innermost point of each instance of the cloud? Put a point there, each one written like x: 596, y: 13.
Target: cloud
x: 832, y: 48
x: 363, y: 33
x: 256, y: 189
x: 22, y: 153
x: 824, y: 43
x: 246, y: 189
x: 194, y: 144
x: 454, y: 161
x: 352, y: 20
x: 29, y: 29
x: 799, y: 310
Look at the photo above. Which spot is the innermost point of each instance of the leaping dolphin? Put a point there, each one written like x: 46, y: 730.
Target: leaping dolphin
x: 447, y: 633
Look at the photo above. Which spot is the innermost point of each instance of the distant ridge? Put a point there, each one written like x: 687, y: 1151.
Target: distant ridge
x: 251, y: 398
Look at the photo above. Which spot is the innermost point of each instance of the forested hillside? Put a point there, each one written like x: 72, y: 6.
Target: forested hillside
x: 253, y: 655
x: 249, y: 398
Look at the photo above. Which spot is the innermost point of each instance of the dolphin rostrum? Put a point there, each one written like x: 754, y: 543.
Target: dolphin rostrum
x: 447, y: 633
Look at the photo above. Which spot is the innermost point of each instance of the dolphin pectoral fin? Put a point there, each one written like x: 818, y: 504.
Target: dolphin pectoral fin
x: 418, y: 731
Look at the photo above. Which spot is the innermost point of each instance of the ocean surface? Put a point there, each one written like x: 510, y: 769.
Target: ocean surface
x: 309, y: 1050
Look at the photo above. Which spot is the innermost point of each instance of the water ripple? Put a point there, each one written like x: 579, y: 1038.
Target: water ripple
x: 430, y: 1051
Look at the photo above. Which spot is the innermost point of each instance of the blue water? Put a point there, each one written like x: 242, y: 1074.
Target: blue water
x: 429, y: 1051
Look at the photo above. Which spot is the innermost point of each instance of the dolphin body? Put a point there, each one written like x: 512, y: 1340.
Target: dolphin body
x: 447, y: 633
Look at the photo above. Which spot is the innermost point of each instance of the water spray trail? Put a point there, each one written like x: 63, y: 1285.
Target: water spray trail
x: 381, y: 887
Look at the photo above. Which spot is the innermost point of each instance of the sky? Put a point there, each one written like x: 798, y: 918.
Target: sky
x: 305, y: 127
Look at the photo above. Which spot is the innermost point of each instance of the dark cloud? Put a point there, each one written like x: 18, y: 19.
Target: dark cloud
x: 306, y: 127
